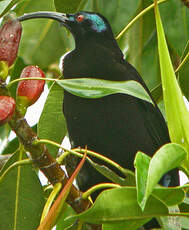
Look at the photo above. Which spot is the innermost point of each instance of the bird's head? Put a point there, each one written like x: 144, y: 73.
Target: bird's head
x: 83, y: 25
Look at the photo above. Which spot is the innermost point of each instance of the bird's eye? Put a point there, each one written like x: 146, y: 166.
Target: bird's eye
x: 80, y: 18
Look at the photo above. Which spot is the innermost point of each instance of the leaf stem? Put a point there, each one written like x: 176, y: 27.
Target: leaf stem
x: 107, y: 160
x: 56, y: 189
x: 29, y: 78
x: 16, y: 164
x: 182, y: 63
x: 77, y: 152
x: 97, y: 187
x: 137, y: 17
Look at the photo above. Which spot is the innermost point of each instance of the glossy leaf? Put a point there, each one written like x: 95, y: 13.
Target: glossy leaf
x: 4, y: 133
x: 21, y: 197
x: 64, y: 222
x: 169, y: 195
x: 52, y: 124
x: 125, y: 9
x: 168, y: 157
x: 176, y: 111
x: 67, y: 7
x: 11, y: 147
x: 122, y: 225
x: 141, y: 164
x: 174, y: 13
x: 108, y: 173
x: 123, y: 209
x: 96, y: 88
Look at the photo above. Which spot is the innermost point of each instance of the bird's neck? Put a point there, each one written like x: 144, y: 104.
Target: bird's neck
x: 108, y: 43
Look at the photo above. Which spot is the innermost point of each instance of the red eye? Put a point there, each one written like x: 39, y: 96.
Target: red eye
x: 80, y: 18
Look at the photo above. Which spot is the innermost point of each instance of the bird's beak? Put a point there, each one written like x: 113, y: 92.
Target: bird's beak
x: 61, y: 17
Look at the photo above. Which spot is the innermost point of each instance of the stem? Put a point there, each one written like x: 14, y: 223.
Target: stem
x: 137, y: 17
x: 97, y: 187
x: 56, y: 189
x: 16, y: 164
x: 107, y: 160
x: 182, y: 63
x: 91, y: 153
x: 29, y: 78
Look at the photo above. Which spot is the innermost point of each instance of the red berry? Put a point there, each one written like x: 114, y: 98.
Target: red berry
x: 7, y: 107
x: 30, y: 89
x: 10, y: 35
x: 186, y: 3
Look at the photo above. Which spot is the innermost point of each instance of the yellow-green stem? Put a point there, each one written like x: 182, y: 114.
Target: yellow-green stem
x: 182, y: 63
x: 16, y: 164
x: 29, y: 78
x: 97, y: 187
x: 137, y: 17
x: 91, y: 153
x: 56, y: 189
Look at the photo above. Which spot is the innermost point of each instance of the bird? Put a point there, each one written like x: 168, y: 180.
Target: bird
x: 118, y: 125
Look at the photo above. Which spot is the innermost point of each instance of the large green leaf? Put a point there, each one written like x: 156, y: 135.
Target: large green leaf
x: 124, y: 207
x: 96, y: 88
x: 169, y: 195
x: 175, y: 18
x: 71, y: 6
x: 4, y: 133
x: 122, y: 225
x: 118, y: 13
x: 168, y: 157
x: 43, y: 41
x: 21, y: 197
x: 52, y: 124
x: 176, y: 111
x: 64, y: 222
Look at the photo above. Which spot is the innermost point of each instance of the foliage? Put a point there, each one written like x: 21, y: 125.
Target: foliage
x: 160, y: 57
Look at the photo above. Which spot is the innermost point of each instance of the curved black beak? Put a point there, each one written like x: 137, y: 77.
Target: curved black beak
x: 61, y: 17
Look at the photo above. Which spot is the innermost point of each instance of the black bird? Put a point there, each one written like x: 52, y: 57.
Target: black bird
x: 116, y: 125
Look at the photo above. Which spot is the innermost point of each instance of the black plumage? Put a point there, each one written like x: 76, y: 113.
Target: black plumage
x: 116, y: 125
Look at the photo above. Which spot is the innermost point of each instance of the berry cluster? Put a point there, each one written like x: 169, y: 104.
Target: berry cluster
x: 28, y: 91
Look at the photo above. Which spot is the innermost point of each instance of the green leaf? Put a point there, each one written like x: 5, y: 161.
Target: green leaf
x: 11, y: 147
x: 169, y: 196
x: 64, y: 222
x: 168, y: 157
x: 96, y: 88
x: 118, y: 13
x: 141, y: 164
x: 122, y: 225
x: 6, y: 5
x: 21, y: 197
x: 71, y: 6
x: 176, y: 111
x: 108, y: 173
x: 4, y: 133
x: 52, y: 124
x: 125, y: 207
x: 175, y: 18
